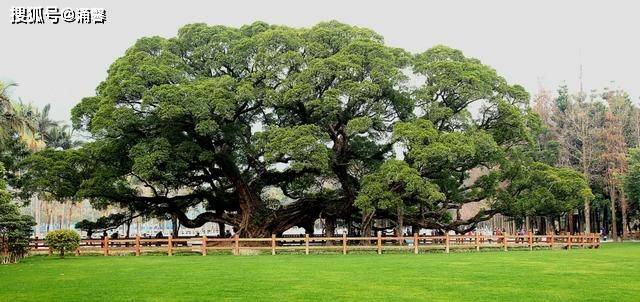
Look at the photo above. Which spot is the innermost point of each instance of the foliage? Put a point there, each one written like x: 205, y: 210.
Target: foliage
x: 632, y: 182
x: 542, y: 190
x: 219, y: 116
x: 15, y: 228
x: 222, y: 129
x: 16, y: 119
x: 104, y: 223
x: 63, y: 241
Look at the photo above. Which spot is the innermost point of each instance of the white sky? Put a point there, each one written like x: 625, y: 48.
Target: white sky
x: 528, y: 42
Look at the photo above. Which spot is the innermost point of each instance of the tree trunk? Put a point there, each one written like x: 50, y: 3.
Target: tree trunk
x: 70, y: 214
x: 580, y: 222
x: 400, y: 224
x: 367, y: 221
x: 587, y: 215
x: 623, y: 209
x: 415, y: 229
x: 61, y: 216
x: 549, y: 225
x: 587, y: 201
x: 614, y: 222
x: 174, y: 226
x: 250, y: 203
x: 128, y: 229
x: 350, y: 227
x: 596, y: 220
x: 221, y: 229
x: 48, y: 221
x: 38, y: 214
x: 329, y: 228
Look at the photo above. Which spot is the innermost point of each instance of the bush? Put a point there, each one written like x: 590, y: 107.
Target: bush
x: 63, y: 241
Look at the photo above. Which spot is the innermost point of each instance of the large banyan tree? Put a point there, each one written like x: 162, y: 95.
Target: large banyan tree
x: 268, y: 127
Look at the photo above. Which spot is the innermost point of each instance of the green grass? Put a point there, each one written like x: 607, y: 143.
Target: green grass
x: 610, y: 273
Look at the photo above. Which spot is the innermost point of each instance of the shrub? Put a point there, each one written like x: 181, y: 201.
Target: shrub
x: 63, y: 241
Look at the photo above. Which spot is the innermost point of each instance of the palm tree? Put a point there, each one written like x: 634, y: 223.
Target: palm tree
x: 28, y: 132
x: 15, y: 118
x: 37, y: 130
x: 60, y: 137
x: 8, y: 120
x: 44, y: 122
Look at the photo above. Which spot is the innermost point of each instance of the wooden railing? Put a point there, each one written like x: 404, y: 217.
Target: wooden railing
x: 634, y: 235
x: 341, y: 244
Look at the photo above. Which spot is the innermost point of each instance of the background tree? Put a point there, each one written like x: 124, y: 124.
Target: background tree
x: 576, y: 123
x: 632, y: 184
x: 615, y: 155
x: 545, y: 191
x: 27, y: 129
x: 583, y: 121
x: 15, y: 228
x: 15, y: 118
x: 615, y: 159
x: 459, y: 153
x: 548, y: 146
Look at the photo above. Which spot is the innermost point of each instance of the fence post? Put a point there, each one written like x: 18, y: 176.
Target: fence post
x: 138, y: 245
x: 170, y: 246
x: 379, y: 244
x: 569, y: 241
x: 273, y: 244
x: 446, y: 242
x: 578, y: 240
x: 236, y: 245
x: 504, y: 241
x: 204, y: 245
x: 344, y: 244
x: 477, y: 241
x: 582, y: 240
x: 78, y: 251
x: 415, y: 243
x: 106, y: 246
x: 306, y: 244
x: 530, y: 239
x: 35, y: 246
x: 553, y: 236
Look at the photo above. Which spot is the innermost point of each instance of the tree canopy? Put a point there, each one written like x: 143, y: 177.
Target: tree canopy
x: 220, y: 117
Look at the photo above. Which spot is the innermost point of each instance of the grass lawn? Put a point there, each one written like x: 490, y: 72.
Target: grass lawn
x: 610, y: 273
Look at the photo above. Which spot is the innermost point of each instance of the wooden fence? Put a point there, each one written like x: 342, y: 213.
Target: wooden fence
x: 634, y: 235
x: 340, y: 244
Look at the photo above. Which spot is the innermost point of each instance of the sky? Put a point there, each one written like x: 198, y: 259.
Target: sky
x: 533, y: 43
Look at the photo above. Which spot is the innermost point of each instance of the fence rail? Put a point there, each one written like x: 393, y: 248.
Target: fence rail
x: 343, y: 244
